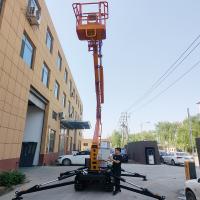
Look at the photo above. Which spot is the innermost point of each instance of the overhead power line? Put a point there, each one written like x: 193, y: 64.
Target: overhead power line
x: 172, y: 84
x: 168, y: 72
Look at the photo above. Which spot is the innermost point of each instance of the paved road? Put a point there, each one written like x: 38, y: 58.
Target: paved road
x: 163, y: 179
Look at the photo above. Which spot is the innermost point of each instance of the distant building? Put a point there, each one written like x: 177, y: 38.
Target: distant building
x: 37, y: 90
x: 167, y: 148
x: 86, y: 144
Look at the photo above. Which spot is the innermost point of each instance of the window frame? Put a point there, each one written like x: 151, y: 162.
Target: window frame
x: 59, y: 65
x: 72, y: 113
x: 36, y: 4
x: 85, y: 144
x: 69, y: 108
x: 66, y: 75
x: 51, y: 149
x: 58, y: 89
x: 64, y: 96
x: 74, y: 93
x: 54, y: 115
x: 70, y: 86
x: 48, y: 33
x: 48, y: 77
x: 30, y: 43
x: 1, y: 6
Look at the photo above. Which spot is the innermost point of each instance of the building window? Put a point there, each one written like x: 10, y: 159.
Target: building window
x: 49, y: 40
x: 81, y: 110
x: 56, y: 89
x: 33, y: 4
x: 27, y: 50
x: 64, y: 100
x: 65, y: 76
x: 70, y: 86
x: 85, y: 144
x: 45, y: 75
x: 1, y: 5
x: 69, y: 108
x: 54, y: 115
x: 72, y: 113
x: 59, y: 61
x: 52, y: 135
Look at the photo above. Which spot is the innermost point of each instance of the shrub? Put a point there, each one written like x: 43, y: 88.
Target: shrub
x: 8, y: 179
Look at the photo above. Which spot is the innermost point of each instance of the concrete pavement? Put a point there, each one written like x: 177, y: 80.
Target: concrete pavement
x: 162, y: 179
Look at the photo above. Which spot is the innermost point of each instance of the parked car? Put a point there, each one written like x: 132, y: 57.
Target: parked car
x: 73, y: 159
x: 124, y: 155
x: 177, y: 158
x: 192, y: 189
x: 162, y: 155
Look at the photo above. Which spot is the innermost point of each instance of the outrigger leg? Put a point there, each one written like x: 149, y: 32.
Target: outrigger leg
x: 47, y: 186
x: 138, y: 189
x: 137, y: 175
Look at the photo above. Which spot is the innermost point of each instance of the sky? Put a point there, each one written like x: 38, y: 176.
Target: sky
x: 144, y: 38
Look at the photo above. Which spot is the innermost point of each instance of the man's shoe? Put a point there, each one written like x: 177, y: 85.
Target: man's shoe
x: 116, y: 191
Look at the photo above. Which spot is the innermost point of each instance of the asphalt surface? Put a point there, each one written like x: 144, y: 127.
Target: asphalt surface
x: 162, y: 179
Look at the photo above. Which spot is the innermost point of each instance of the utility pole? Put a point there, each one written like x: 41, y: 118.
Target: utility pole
x: 190, y: 130
x: 123, y: 123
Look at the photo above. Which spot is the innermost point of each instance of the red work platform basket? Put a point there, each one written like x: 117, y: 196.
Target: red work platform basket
x: 91, y: 20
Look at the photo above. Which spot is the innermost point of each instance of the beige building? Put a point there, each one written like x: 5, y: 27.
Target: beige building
x: 37, y: 90
x: 86, y: 144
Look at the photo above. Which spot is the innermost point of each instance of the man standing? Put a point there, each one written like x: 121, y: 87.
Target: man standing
x: 117, y: 159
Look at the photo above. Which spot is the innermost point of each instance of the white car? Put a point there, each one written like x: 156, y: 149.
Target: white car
x: 75, y: 159
x: 177, y: 158
x: 192, y: 189
x: 162, y: 155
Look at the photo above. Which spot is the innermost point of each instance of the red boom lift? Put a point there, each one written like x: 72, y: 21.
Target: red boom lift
x: 91, y: 26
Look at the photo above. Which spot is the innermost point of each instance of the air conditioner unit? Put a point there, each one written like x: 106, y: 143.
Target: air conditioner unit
x: 33, y: 15
x: 61, y: 115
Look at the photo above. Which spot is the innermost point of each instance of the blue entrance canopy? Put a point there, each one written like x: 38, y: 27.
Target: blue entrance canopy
x: 75, y: 124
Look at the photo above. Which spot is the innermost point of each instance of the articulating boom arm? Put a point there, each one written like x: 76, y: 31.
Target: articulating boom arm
x: 95, y: 46
x: 91, y: 27
x: 99, y: 85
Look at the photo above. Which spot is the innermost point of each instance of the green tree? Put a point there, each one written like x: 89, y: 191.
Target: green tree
x: 145, y: 135
x: 116, y: 139
x: 183, y: 139
x: 167, y: 133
